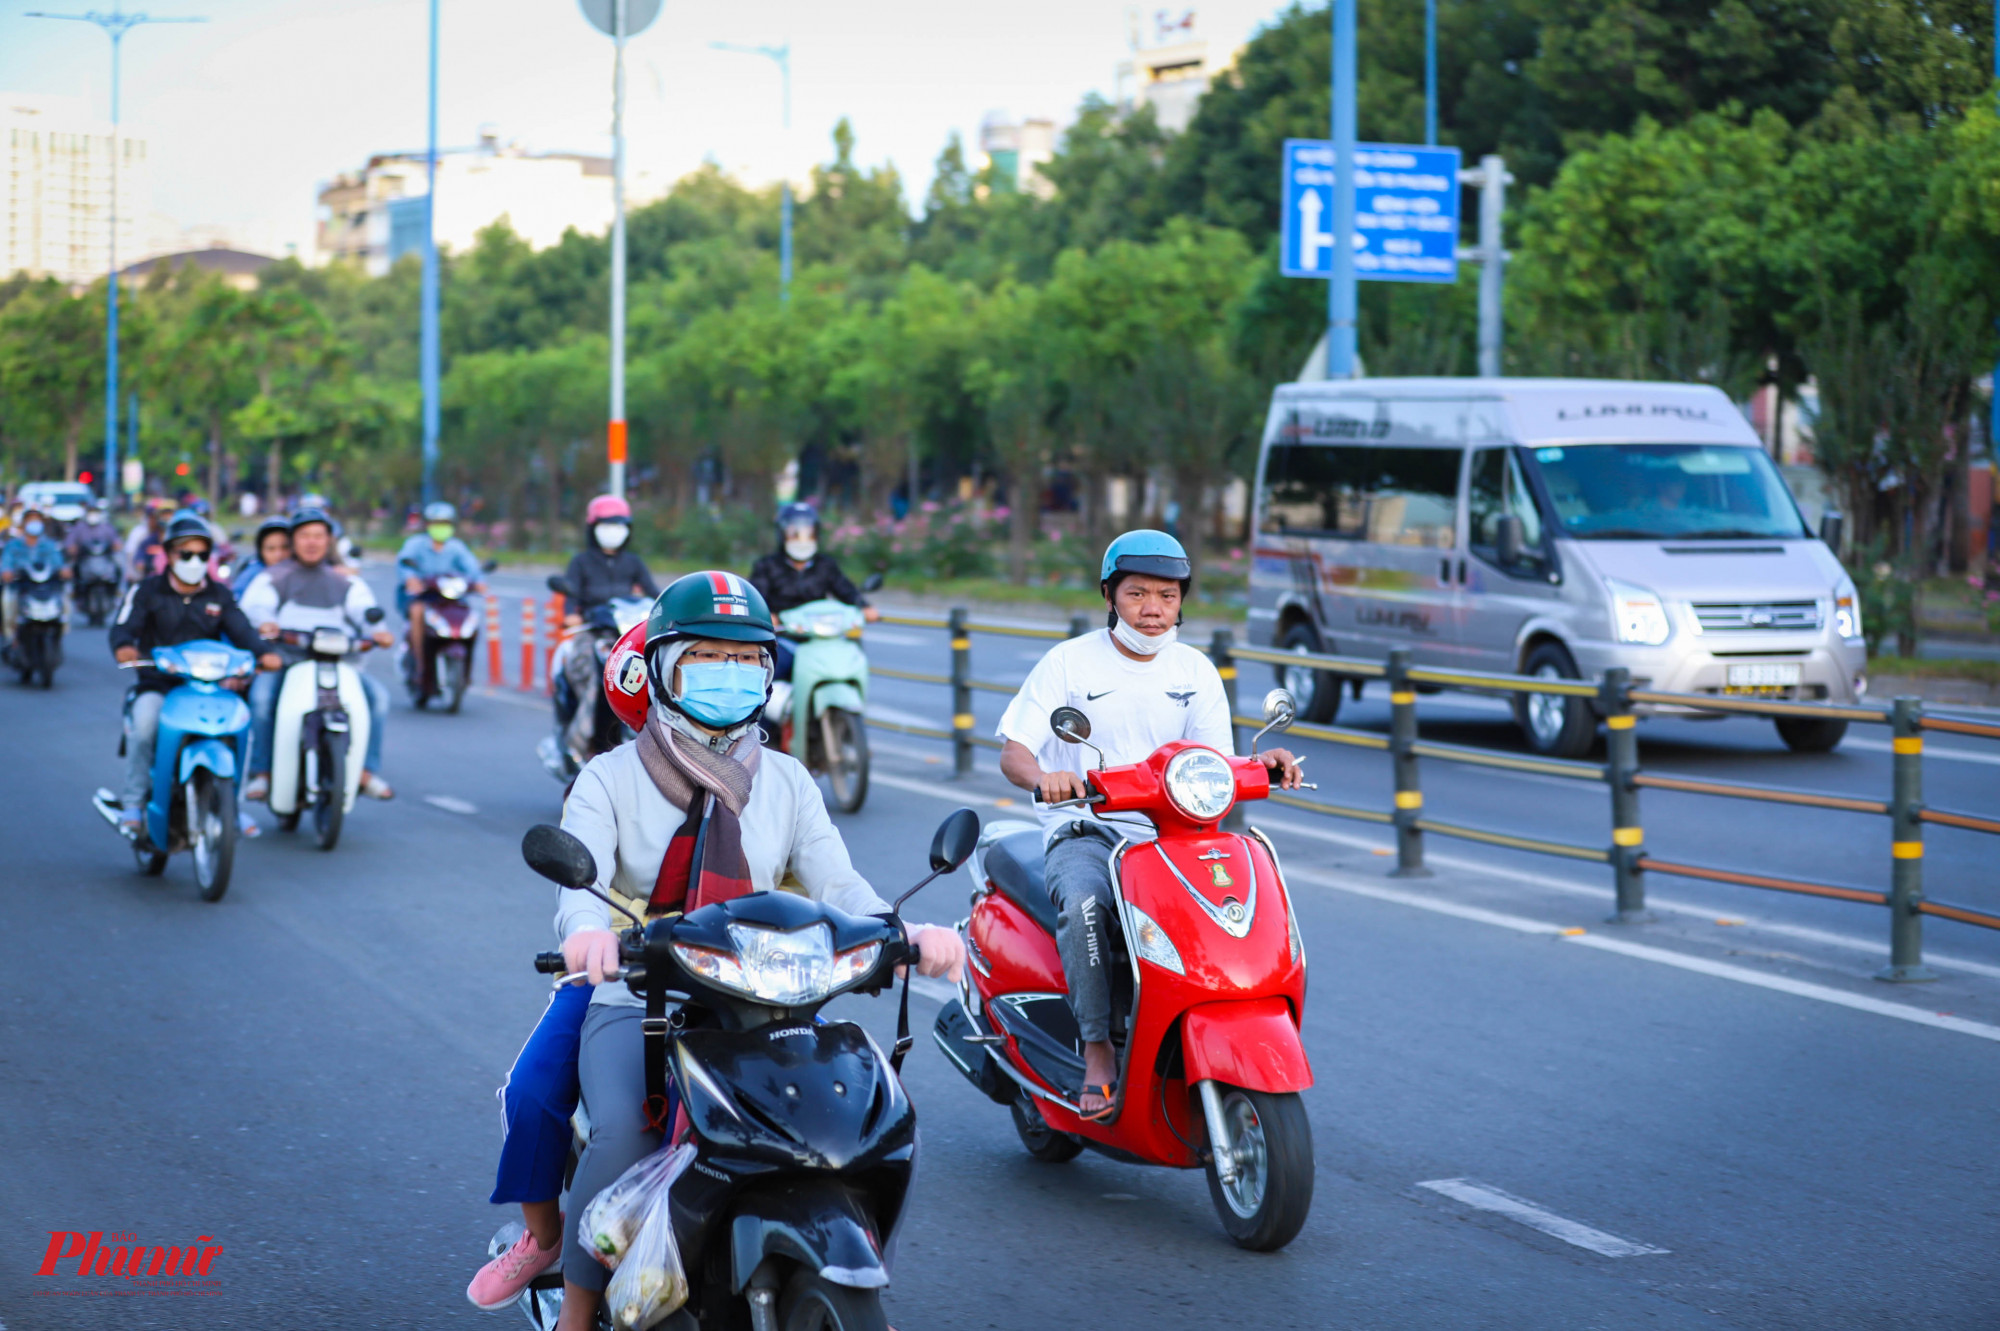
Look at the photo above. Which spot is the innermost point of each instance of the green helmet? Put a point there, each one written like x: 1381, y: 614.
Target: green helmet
x: 713, y: 604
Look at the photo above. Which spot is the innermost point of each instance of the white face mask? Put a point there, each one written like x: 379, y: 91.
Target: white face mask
x: 191, y: 569
x: 612, y: 535
x: 1139, y: 642
x: 800, y: 549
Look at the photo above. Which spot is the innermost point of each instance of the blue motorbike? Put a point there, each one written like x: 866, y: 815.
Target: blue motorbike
x: 203, y: 744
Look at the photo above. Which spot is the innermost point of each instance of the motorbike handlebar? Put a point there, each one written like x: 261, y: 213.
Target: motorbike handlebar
x: 1067, y: 804
x: 549, y: 963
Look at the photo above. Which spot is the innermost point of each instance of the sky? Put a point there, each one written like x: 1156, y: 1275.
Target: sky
x: 248, y: 112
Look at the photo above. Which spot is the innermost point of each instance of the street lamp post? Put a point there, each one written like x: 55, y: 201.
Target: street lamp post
x: 1340, y: 297
x: 783, y: 55
x: 428, y: 348
x: 618, y: 19
x: 115, y: 24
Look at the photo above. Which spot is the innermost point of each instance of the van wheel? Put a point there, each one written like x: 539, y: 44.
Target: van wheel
x: 1555, y: 726
x: 1316, y: 691
x: 1806, y: 734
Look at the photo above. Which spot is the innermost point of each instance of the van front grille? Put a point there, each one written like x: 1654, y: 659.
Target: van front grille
x: 1756, y: 616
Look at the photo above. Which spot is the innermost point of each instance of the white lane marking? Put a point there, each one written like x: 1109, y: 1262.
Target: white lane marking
x: 451, y: 804
x: 1672, y: 905
x: 1659, y: 955
x: 923, y: 986
x: 1482, y: 1197
x: 1786, y: 985
x: 946, y: 792
x: 1930, y: 751
x: 896, y: 716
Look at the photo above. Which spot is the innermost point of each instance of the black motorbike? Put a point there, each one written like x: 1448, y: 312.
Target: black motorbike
x: 805, y: 1138
x: 97, y: 579
x: 603, y: 624
x: 39, y: 613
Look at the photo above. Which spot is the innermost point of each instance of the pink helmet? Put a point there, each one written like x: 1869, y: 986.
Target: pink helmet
x: 607, y: 508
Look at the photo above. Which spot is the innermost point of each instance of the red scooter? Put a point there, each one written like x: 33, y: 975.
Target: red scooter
x: 1208, y: 982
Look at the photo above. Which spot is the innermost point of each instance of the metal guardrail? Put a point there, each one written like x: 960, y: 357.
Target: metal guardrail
x: 1615, y: 699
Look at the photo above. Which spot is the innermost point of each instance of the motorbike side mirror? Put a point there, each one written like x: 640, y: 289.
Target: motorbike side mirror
x: 1832, y: 526
x: 373, y: 614
x: 558, y: 856
x: 490, y: 565
x: 1280, y: 709
x: 560, y: 585
x: 1509, y: 538
x: 956, y: 837
x: 1070, y: 724
x: 873, y: 584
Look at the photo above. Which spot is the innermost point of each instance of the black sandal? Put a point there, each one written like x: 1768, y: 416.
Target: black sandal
x: 1109, y: 1090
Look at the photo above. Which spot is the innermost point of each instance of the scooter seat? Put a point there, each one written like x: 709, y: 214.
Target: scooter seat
x: 1014, y: 863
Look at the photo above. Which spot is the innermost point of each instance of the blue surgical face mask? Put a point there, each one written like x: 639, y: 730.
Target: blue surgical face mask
x: 33, y: 527
x: 722, y: 693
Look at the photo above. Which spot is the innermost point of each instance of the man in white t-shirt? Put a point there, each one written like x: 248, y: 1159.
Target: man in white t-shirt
x: 1140, y: 688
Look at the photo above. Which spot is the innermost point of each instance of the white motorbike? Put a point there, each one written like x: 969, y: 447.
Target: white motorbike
x: 319, y: 738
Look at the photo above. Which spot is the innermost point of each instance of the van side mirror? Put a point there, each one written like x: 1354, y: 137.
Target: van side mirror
x: 1508, y: 539
x: 1832, y: 526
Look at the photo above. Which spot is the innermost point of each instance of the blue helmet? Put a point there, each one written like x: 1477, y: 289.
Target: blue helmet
x: 1145, y: 551
x: 440, y: 511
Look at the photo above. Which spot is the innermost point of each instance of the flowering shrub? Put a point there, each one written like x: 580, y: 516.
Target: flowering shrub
x: 933, y: 542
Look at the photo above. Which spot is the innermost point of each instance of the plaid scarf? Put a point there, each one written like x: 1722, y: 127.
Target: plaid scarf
x: 704, y: 863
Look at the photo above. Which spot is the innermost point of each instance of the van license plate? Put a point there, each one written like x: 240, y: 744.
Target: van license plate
x: 1756, y: 678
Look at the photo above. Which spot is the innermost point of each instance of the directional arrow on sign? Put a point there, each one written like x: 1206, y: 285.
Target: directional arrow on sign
x: 1311, y: 239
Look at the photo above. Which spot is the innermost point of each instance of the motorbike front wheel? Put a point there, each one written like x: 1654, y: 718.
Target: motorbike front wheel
x: 1266, y: 1204
x: 810, y: 1303
x: 213, y: 836
x: 151, y: 862
x: 451, y: 680
x: 1044, y: 1143
x: 330, y: 800
x: 844, y: 742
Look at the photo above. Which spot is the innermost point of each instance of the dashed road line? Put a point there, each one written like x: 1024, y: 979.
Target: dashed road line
x: 1483, y: 1197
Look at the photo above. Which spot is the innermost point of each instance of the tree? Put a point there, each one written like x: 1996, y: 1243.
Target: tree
x: 52, y: 371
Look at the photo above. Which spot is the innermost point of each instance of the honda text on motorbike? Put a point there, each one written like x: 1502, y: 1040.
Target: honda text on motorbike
x: 1208, y: 984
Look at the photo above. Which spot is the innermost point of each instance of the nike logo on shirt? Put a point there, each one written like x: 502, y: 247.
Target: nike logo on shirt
x: 1093, y: 697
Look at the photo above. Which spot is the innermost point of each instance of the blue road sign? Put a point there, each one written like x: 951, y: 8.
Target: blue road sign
x: 1405, y: 211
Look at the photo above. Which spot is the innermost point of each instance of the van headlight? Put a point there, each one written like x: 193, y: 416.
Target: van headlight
x: 783, y: 968
x: 1637, y: 615
x: 1846, y: 609
x: 1201, y: 784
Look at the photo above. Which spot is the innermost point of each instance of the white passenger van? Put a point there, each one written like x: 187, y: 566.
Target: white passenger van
x: 1551, y: 527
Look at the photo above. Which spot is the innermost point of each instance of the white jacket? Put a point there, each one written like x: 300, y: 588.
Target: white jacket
x: 615, y: 809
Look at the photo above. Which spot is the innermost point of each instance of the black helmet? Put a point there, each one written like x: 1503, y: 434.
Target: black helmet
x: 267, y: 526
x: 187, y: 526
x: 796, y: 515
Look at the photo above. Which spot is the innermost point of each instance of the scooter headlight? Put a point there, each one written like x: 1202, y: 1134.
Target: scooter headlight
x: 452, y: 589
x: 207, y: 667
x: 1201, y: 784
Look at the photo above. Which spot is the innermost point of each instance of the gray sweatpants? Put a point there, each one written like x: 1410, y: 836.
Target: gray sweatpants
x: 142, y: 733
x: 611, y: 1069
x: 1078, y: 873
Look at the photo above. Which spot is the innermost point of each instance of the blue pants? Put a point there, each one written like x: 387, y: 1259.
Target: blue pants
x: 537, y: 1101
x: 264, y: 710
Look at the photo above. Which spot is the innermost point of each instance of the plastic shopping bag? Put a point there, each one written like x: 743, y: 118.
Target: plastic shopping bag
x: 649, y: 1283
x: 613, y: 1218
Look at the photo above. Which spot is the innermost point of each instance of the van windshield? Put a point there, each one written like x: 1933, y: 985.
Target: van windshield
x: 1667, y: 492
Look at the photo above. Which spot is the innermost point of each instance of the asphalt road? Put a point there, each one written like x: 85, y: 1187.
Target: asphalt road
x: 305, y: 1071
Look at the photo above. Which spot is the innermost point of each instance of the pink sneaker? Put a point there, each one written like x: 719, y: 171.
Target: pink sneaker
x: 501, y: 1280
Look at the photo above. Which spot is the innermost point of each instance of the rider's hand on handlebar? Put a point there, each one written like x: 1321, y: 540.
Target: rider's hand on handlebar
x: 126, y: 655
x: 271, y: 661
x: 414, y: 586
x: 943, y: 952
x: 594, y: 952
x: 1285, y: 770
x: 1055, y: 787
x: 382, y: 638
